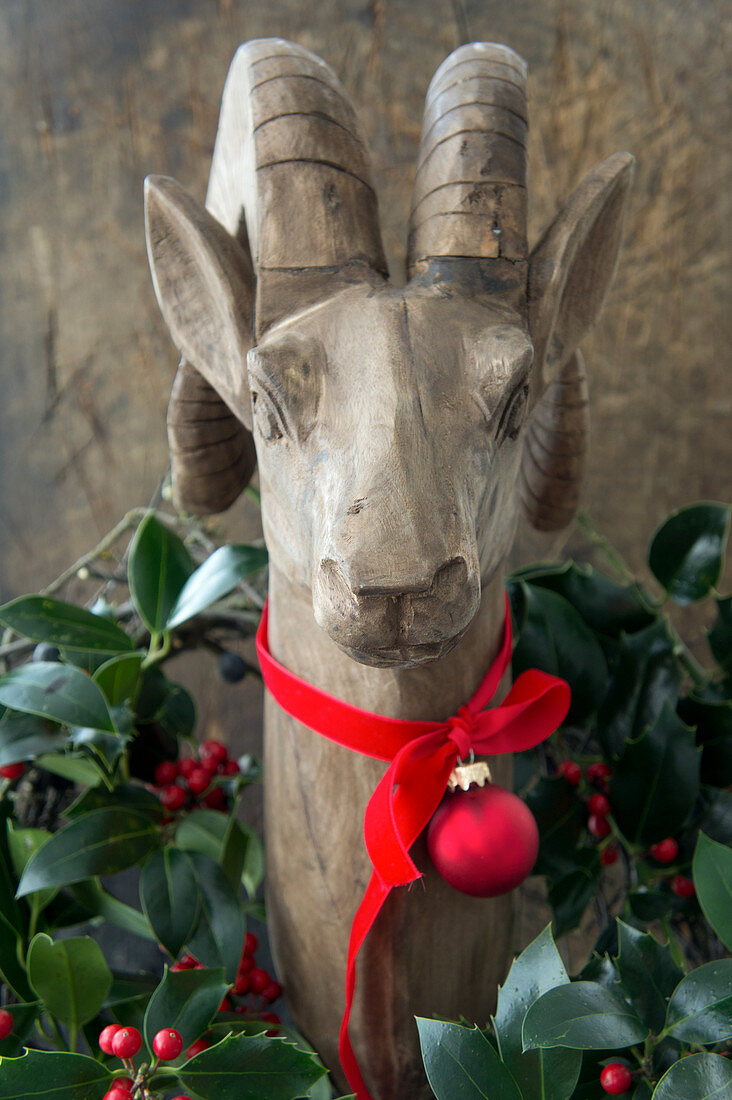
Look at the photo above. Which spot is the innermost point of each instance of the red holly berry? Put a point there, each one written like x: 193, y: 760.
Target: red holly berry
x: 258, y: 980
x: 185, y: 962
x: 572, y: 772
x: 123, y: 1085
x: 271, y: 1018
x: 609, y: 855
x: 251, y: 943
x: 214, y: 799
x: 616, y: 1078
x: 12, y: 771
x: 272, y: 992
x: 599, y: 774
x: 168, y: 1044
x: 196, y: 1048
x: 230, y: 768
x: 683, y: 887
x: 247, y: 963
x: 665, y: 851
x: 173, y: 797
x: 106, y: 1036
x: 116, y: 1093
x: 241, y: 985
x: 182, y: 1096
x: 598, y: 826
x: 199, y: 780
x: 598, y: 804
x: 225, y: 1005
x: 214, y: 749
x: 7, y: 1023
x: 483, y: 841
x: 165, y: 773
x: 186, y: 766
x: 126, y: 1042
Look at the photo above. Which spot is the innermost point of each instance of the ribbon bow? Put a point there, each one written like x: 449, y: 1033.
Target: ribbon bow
x: 421, y: 757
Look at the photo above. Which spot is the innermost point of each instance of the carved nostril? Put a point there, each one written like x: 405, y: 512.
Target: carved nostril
x: 334, y: 585
x: 451, y: 576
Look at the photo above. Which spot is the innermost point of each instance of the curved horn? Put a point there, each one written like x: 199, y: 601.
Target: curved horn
x: 469, y: 198
x: 290, y: 158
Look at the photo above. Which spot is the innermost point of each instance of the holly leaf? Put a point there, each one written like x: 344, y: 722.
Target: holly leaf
x: 701, y: 1076
x: 648, y: 974
x: 219, y: 934
x: 120, y: 677
x: 48, y: 1075
x: 606, y: 607
x: 42, y: 619
x: 218, y: 575
x: 558, y: 813
x: 712, y: 718
x: 687, y: 551
x: 170, y: 898
x: 583, y: 1016
x: 570, y: 895
x: 656, y: 780
x: 645, y: 675
x: 712, y: 874
x: 70, y: 976
x: 24, y: 736
x: 130, y: 796
x: 186, y: 1000
x: 24, y: 1016
x: 700, y: 1009
x: 720, y: 636
x: 98, y: 843
x: 157, y: 569
x: 249, y: 1068
x: 460, y: 1061
x: 537, y: 969
x: 11, y: 969
x: 59, y: 692
x: 555, y: 639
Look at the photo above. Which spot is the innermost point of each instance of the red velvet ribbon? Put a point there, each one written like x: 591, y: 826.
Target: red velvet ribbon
x: 421, y: 757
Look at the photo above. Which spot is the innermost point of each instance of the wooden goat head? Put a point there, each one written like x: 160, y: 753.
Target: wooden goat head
x: 398, y: 430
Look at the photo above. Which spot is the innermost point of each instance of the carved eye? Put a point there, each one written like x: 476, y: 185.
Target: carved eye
x: 513, y: 414
x: 267, y: 416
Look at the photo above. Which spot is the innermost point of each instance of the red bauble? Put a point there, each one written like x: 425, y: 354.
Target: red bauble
x: 483, y: 841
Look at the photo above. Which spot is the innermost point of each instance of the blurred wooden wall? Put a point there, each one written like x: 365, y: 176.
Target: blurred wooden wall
x: 98, y: 93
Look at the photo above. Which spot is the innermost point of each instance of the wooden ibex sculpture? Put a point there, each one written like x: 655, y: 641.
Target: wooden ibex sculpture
x: 399, y: 433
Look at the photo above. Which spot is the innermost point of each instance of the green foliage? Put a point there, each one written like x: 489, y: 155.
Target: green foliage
x: 50, y: 1076
x: 251, y: 1067
x: 70, y: 976
x: 712, y: 870
x: 687, y: 551
x: 170, y: 897
x: 187, y: 1001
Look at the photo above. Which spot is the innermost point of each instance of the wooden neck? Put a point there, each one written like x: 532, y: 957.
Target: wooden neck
x: 431, y: 691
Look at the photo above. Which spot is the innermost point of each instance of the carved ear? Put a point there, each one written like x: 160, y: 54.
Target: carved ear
x: 572, y: 266
x: 204, y: 285
x: 570, y: 272
x: 203, y: 282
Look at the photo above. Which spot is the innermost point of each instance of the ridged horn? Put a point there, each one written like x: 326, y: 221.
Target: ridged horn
x: 553, y: 460
x: 469, y: 198
x: 290, y: 158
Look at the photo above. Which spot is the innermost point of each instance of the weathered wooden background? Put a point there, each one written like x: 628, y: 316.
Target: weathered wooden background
x: 97, y: 93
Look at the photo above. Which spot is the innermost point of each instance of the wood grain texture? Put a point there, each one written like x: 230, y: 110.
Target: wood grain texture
x: 395, y: 453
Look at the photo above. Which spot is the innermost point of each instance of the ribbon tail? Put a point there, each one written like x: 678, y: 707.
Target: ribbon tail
x: 371, y: 904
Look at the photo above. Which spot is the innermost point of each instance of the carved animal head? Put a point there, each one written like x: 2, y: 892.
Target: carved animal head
x: 398, y: 431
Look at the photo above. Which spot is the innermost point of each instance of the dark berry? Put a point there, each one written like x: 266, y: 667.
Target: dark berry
x: 173, y: 798
x: 598, y: 804
x: 225, y: 1005
x: 231, y: 668
x: 683, y: 887
x: 165, y: 773
x: 251, y: 943
x: 198, y: 781
x: 46, y: 652
x: 665, y: 851
x: 168, y: 1044
x: 197, y: 1047
x: 7, y: 1023
x: 214, y: 799
x: 106, y: 1036
x: 609, y: 855
x: 598, y: 774
x: 126, y: 1042
x: 230, y: 768
x: 241, y: 985
x: 598, y: 826
x: 12, y: 771
x: 616, y: 1079
x: 572, y: 772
